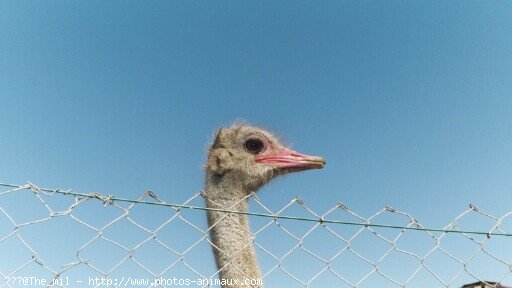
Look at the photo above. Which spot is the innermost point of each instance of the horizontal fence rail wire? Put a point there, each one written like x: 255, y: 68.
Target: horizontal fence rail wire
x: 134, y: 249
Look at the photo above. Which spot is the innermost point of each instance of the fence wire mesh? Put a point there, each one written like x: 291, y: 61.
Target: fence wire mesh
x: 62, y: 238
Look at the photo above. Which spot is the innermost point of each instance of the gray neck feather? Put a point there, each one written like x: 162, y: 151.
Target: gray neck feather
x: 233, y: 243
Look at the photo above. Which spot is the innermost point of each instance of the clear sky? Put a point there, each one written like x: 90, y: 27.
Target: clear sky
x: 409, y: 102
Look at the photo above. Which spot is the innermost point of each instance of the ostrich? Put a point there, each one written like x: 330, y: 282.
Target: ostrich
x: 241, y: 160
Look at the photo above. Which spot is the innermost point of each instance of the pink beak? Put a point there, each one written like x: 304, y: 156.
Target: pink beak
x: 288, y: 158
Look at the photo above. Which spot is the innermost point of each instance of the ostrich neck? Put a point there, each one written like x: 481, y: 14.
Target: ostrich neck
x: 232, y: 241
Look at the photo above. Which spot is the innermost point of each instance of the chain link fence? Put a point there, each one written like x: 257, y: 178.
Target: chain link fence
x: 62, y: 238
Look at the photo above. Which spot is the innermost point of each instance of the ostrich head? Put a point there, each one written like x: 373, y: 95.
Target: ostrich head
x: 249, y: 157
x: 241, y: 160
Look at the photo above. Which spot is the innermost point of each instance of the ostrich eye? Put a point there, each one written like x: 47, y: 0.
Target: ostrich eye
x: 254, y: 146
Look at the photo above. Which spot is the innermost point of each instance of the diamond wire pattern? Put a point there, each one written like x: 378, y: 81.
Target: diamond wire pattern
x: 360, y: 245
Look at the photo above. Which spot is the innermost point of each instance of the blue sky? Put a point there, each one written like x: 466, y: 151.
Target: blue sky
x: 409, y: 102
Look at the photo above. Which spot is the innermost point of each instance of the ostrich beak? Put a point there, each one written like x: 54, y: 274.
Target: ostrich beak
x: 287, y: 158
